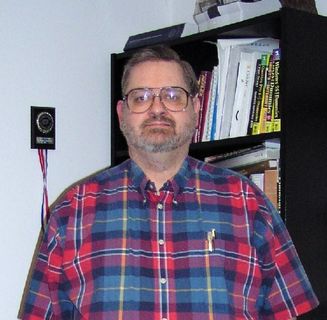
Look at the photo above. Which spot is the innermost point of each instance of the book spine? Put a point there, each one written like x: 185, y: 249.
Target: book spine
x: 279, y: 192
x: 249, y: 158
x: 215, y: 108
x: 259, y: 100
x: 206, y: 96
x: 258, y: 179
x: 211, y: 105
x: 242, y: 102
x: 269, y: 96
x: 267, y: 82
x: 277, y: 118
x: 255, y: 97
x: 271, y: 185
x: 258, y: 167
x: 201, y: 84
x: 232, y: 154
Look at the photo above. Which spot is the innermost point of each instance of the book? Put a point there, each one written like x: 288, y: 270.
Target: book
x: 255, y: 96
x: 267, y: 181
x: 160, y: 35
x: 258, y: 179
x: 252, y: 157
x: 269, y: 97
x: 205, y: 103
x: 276, y: 107
x: 231, y: 154
x: 201, y: 84
x: 204, y: 88
x: 215, y: 106
x: 258, y: 167
x: 259, y: 115
x: 271, y: 185
x: 243, y: 94
x: 270, y: 144
x: 209, y: 120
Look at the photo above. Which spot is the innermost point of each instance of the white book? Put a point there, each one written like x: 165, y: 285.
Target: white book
x: 243, y: 93
x: 256, y: 156
x: 272, y: 143
x: 258, y: 179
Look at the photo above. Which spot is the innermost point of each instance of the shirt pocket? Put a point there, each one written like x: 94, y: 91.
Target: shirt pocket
x: 222, y: 276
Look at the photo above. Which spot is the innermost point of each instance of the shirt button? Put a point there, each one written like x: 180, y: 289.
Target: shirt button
x: 163, y: 280
x: 161, y: 242
x: 160, y: 206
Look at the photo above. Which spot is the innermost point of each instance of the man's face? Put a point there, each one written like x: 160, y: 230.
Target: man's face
x: 158, y: 129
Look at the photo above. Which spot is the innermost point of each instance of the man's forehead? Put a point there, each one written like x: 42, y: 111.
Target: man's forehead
x: 157, y: 71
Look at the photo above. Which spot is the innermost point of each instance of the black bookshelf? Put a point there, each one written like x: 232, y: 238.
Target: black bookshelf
x: 303, y: 77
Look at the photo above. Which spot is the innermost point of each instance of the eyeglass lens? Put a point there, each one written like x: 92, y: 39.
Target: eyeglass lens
x: 173, y: 98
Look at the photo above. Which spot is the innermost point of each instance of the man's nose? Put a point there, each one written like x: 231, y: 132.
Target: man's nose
x: 157, y: 106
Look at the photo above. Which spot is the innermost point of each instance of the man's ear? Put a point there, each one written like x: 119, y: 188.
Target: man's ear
x: 196, y: 104
x: 119, y: 109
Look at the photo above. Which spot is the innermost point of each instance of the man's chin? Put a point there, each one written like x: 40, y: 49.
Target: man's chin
x: 158, y: 148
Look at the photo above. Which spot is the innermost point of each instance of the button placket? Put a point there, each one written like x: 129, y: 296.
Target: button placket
x: 162, y: 254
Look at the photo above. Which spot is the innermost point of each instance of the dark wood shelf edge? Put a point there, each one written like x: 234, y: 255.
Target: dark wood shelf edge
x: 203, y: 149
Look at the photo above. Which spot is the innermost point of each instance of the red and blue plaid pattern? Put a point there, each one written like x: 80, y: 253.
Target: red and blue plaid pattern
x: 116, y: 249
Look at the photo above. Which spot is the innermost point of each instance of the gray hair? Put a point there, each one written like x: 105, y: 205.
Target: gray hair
x: 160, y: 53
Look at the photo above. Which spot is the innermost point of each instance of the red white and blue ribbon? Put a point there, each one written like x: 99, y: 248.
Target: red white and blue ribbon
x: 43, y: 158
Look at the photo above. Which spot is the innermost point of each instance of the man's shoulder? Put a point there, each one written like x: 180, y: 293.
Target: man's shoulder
x: 106, y: 175
x: 104, y: 178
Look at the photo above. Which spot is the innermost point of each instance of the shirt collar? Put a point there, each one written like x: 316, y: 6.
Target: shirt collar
x: 178, y: 182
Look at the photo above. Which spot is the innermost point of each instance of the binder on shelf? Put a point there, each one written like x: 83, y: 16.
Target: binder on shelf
x: 160, y: 35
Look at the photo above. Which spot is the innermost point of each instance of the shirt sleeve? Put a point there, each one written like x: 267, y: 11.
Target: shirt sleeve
x: 47, y: 297
x: 38, y: 303
x: 286, y: 290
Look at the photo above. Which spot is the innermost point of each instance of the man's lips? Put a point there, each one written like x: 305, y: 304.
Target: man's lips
x: 158, y: 123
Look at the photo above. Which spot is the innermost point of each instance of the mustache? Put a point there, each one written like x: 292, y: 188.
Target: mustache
x: 158, y: 118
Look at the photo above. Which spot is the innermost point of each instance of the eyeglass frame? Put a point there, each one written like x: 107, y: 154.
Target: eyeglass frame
x: 154, y: 95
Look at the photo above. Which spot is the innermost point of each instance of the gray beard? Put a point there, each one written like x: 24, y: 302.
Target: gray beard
x: 172, y: 141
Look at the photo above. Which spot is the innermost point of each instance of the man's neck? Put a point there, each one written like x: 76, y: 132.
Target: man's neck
x: 160, y: 166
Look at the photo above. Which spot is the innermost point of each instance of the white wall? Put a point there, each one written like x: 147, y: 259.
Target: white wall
x: 56, y: 53
x: 321, y: 6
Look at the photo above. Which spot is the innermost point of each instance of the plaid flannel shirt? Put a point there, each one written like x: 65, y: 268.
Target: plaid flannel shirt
x: 115, y: 249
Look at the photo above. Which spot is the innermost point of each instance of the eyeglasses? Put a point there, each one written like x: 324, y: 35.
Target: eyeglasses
x: 140, y: 100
